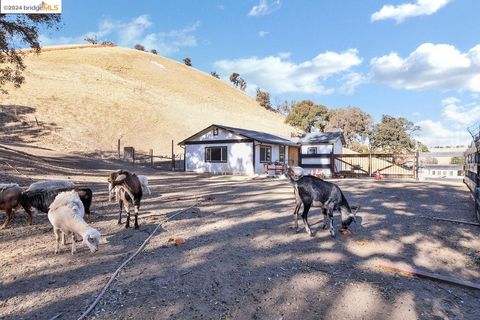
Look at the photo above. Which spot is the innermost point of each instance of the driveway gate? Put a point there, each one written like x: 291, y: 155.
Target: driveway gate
x: 367, y: 165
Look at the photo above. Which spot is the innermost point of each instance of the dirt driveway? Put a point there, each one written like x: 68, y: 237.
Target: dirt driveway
x: 242, y: 259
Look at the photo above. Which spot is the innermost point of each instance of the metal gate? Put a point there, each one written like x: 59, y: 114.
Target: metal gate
x: 367, y: 165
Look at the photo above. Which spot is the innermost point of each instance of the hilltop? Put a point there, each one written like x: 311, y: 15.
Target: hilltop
x: 84, y: 98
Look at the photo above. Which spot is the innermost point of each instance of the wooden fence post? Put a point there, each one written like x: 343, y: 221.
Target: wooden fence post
x: 118, y: 149
x: 133, y: 157
x: 417, y: 156
x: 151, y: 157
x: 173, y: 159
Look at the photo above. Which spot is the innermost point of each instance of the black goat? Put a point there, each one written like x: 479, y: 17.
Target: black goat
x: 42, y: 199
x: 129, y: 191
x: 309, y: 191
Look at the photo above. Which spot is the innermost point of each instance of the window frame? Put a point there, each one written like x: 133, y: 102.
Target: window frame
x: 221, y: 154
x: 312, y: 148
x: 280, y: 154
x: 270, y: 151
x: 215, y: 132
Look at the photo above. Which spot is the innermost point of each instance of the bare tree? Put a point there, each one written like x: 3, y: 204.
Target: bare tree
x: 215, y: 74
x: 92, y: 40
x: 263, y: 98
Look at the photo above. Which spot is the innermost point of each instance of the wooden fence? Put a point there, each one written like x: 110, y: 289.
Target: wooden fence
x: 472, y: 178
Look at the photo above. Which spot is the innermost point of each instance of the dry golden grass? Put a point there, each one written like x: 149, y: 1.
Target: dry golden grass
x: 99, y: 94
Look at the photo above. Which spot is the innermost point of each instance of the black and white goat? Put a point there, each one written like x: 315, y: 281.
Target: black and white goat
x: 128, y: 191
x: 40, y: 195
x: 311, y: 191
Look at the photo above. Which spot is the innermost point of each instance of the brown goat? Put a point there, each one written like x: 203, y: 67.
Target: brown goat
x: 10, y: 196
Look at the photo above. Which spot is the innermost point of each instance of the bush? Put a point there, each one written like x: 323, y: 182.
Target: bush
x: 139, y: 47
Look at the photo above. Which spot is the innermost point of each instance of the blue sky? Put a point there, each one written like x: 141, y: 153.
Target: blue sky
x: 419, y: 59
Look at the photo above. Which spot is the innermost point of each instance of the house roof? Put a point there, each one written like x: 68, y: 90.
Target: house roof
x: 322, y: 137
x: 251, y: 134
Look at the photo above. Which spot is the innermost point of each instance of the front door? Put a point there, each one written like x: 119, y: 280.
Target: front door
x: 293, y: 154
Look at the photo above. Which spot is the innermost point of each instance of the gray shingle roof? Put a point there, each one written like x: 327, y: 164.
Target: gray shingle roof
x: 321, y: 137
x: 251, y: 134
x: 260, y: 136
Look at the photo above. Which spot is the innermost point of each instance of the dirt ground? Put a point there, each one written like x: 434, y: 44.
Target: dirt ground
x: 241, y: 259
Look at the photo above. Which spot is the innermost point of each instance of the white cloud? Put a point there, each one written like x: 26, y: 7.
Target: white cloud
x: 262, y: 33
x: 277, y: 74
x: 351, y: 81
x: 460, y: 116
x: 135, y: 31
x: 430, y: 66
x: 264, y: 8
x: 435, y: 133
x: 451, y: 128
x: 406, y: 10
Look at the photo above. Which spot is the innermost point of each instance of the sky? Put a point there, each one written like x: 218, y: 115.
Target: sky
x: 418, y: 59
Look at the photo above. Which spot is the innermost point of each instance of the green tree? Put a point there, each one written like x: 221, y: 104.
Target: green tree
x: 421, y: 147
x: 393, y: 135
x: 354, y: 123
x: 457, y: 160
x: 154, y: 51
x: 263, y: 98
x: 17, y: 30
x: 307, y: 115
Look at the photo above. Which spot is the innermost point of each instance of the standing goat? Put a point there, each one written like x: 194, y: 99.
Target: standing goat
x: 309, y: 191
x: 128, y: 192
x: 40, y: 195
x: 143, y: 181
x: 10, y: 199
x: 66, y: 216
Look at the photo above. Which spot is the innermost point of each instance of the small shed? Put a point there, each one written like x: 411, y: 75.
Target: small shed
x: 227, y: 150
x: 318, y: 150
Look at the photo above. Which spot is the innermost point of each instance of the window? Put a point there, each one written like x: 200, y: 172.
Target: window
x: 215, y: 154
x: 215, y: 132
x: 312, y: 150
x: 450, y: 173
x: 265, y: 154
x: 433, y: 172
x: 281, y: 155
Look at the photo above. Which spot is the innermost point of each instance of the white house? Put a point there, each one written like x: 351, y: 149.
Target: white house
x: 317, y: 151
x: 225, y: 150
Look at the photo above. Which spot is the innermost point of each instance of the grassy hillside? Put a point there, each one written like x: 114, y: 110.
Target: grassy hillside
x: 85, y: 98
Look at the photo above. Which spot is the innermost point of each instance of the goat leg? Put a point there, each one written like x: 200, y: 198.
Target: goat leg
x: 127, y: 224
x: 9, y: 214
x: 120, y: 212
x: 74, y: 244
x: 57, y: 239
x: 295, y: 215
x: 330, y: 219
x: 306, y: 207
x: 136, y: 217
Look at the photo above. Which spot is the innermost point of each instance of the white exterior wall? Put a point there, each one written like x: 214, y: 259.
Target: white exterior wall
x: 239, y: 159
x: 439, y: 173
x: 222, y: 135
x: 321, y: 149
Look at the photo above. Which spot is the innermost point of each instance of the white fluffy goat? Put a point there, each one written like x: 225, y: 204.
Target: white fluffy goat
x: 66, y: 215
